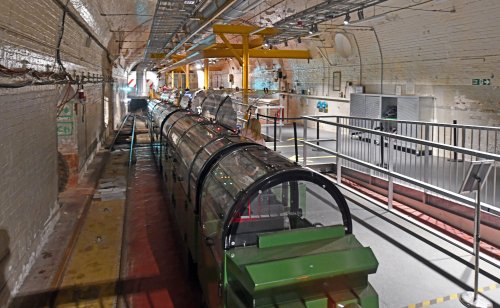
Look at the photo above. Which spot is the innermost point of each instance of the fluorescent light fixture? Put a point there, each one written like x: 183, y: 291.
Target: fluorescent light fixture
x: 347, y: 19
x: 361, y: 14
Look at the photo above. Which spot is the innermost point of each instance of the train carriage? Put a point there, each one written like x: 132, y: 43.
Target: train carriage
x: 259, y: 230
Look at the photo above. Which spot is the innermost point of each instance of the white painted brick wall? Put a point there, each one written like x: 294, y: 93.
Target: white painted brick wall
x: 30, y: 30
x: 28, y: 141
x: 435, y: 53
x: 28, y: 182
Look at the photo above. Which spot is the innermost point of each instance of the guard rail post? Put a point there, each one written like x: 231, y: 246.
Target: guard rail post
x: 295, y: 141
x: 304, y: 147
x: 338, y: 161
x: 274, y: 118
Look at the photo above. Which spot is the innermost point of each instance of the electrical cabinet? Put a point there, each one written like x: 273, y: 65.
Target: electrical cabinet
x: 394, y: 107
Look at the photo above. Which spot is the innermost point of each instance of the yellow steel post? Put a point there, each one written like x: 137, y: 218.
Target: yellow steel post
x: 187, y: 76
x: 205, y: 72
x: 173, y: 80
x: 246, y: 63
x: 179, y: 81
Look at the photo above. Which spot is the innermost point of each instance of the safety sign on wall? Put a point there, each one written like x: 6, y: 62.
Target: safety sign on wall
x: 481, y: 82
x: 322, y: 106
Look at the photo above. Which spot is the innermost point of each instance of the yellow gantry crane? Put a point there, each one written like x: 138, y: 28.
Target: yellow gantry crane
x: 252, y: 39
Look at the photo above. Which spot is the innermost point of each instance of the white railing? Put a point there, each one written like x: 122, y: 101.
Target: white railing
x: 431, y: 157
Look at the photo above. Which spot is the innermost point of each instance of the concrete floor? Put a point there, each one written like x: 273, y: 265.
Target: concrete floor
x: 114, y: 244
x: 415, y: 265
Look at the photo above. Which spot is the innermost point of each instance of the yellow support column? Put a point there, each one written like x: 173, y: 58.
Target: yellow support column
x: 187, y: 76
x: 246, y: 63
x: 173, y: 80
x: 179, y: 81
x: 205, y: 72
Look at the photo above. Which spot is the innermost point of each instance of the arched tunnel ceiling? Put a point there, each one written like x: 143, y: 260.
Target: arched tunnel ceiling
x: 142, y: 31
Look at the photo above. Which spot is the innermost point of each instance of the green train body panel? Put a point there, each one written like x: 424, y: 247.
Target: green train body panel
x: 315, y: 267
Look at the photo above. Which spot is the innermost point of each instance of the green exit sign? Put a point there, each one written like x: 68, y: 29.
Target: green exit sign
x: 481, y: 82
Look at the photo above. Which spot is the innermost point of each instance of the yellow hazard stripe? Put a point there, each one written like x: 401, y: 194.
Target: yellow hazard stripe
x: 450, y: 297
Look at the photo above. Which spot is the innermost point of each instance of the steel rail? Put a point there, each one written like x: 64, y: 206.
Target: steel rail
x: 119, y: 131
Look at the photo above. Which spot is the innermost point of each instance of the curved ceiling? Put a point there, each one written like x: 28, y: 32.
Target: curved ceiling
x: 144, y: 31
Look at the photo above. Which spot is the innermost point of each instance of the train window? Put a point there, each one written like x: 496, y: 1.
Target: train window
x: 226, y: 114
x: 212, y: 212
x: 182, y: 126
x: 192, y: 141
x: 242, y: 170
x: 287, y: 206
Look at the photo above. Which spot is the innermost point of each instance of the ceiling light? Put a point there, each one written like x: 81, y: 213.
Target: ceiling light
x: 198, y: 66
x: 361, y: 14
x: 266, y: 44
x: 311, y: 29
x: 347, y: 19
x: 189, y: 2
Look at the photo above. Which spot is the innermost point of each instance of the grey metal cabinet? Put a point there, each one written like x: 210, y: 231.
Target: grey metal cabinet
x: 395, y: 107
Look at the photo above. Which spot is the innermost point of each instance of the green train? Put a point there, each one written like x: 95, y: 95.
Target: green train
x: 258, y: 229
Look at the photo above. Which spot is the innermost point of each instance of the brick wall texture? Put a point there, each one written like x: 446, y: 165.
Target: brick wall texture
x: 28, y: 137
x: 28, y: 182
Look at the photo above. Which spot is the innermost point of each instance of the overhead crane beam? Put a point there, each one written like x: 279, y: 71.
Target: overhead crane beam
x: 252, y: 53
x: 230, y: 48
x: 244, y: 30
x: 253, y: 43
x: 257, y: 53
x: 242, y: 52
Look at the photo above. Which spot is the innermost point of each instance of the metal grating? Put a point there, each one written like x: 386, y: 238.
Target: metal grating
x: 169, y: 19
x: 298, y: 25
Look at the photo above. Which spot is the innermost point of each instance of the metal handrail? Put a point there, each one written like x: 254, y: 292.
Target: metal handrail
x: 493, y: 128
x: 485, y: 155
x: 467, y: 201
x: 391, y: 145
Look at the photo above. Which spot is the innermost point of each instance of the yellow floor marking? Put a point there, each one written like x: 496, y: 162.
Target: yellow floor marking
x: 451, y: 297
x: 290, y: 139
